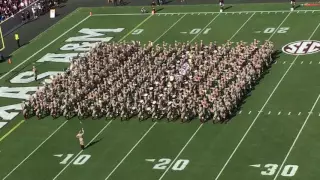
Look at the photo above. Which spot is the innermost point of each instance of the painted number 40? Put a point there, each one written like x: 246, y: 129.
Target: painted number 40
x: 164, y: 163
x: 287, y: 171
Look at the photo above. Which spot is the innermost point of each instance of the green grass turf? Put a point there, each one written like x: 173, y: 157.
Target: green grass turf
x: 120, y: 150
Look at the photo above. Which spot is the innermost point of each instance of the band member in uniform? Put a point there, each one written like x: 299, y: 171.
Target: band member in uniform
x: 293, y: 3
x: 221, y: 4
x: 35, y: 73
x: 80, y: 137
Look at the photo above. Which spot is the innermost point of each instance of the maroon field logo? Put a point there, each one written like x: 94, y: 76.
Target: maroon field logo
x: 303, y: 47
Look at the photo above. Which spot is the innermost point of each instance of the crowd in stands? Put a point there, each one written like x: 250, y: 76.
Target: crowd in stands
x: 9, y: 8
x: 179, y: 81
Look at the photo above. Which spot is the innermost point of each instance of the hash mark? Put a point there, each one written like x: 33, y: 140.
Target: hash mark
x: 279, y: 113
x: 289, y: 113
x: 269, y: 112
x: 305, y: 11
x: 301, y: 62
x: 247, y: 13
x: 249, y: 112
x: 284, y: 62
x: 310, y: 62
x: 299, y: 114
x: 240, y: 112
x: 268, y: 12
x: 312, y: 11
x: 191, y: 13
x: 275, y: 62
x: 319, y: 114
x: 205, y: 14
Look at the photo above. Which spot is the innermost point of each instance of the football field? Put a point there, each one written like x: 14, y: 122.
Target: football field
x: 274, y: 135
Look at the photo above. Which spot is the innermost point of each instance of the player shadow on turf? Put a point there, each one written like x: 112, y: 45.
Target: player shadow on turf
x: 160, y: 9
x: 226, y: 8
x: 274, y: 57
x: 93, y: 143
x: 298, y: 6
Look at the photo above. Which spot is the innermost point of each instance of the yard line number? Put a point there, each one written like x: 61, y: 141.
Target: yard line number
x: 288, y: 170
x: 198, y: 30
x: 80, y: 160
x: 137, y: 31
x: 179, y: 165
x: 281, y: 30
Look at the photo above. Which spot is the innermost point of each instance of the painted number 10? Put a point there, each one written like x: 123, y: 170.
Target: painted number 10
x: 80, y: 160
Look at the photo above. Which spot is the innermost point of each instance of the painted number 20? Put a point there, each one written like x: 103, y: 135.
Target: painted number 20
x: 198, y: 30
x: 280, y: 30
x: 288, y: 170
x: 179, y: 165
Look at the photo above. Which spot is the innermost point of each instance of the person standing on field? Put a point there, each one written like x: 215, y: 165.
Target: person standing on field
x: 80, y: 137
x: 16, y: 37
x: 35, y: 73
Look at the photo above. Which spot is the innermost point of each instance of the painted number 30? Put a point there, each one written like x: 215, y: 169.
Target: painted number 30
x: 288, y: 170
x: 273, y: 30
x: 179, y: 165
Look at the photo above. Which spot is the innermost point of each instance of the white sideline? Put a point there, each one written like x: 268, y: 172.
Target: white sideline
x: 167, y: 169
x: 34, y: 151
x: 305, y: 122
x: 43, y: 48
x: 82, y: 150
x: 260, y: 111
x: 115, y: 168
x: 212, y: 12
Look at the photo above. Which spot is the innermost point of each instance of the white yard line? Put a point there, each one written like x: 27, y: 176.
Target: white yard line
x: 205, y: 27
x: 264, y: 105
x: 34, y: 151
x: 305, y: 122
x: 124, y: 158
x: 274, y: 32
x: 297, y: 137
x: 82, y: 150
x: 174, y: 160
x: 153, y: 123
x: 227, y: 12
x: 242, y: 26
x: 137, y: 26
x: 169, y: 28
x: 193, y: 135
x: 13, y: 69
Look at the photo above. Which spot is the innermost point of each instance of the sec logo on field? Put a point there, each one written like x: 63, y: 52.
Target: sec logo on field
x: 303, y: 47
